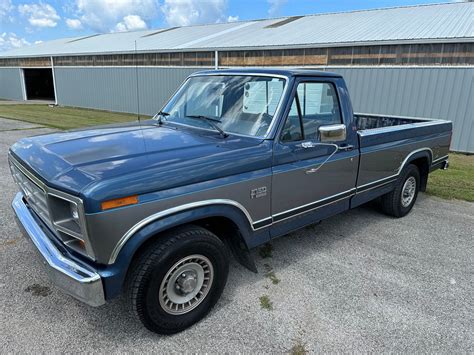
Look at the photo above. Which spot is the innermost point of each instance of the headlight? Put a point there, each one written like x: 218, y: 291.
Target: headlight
x: 67, y: 215
x: 74, y: 212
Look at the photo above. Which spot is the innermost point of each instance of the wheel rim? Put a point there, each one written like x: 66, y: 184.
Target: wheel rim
x: 186, y: 284
x: 408, y: 191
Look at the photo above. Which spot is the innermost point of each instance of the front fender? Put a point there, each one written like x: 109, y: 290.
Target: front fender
x: 114, y: 274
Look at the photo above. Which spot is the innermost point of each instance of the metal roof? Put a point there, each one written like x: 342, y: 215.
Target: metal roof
x: 447, y: 22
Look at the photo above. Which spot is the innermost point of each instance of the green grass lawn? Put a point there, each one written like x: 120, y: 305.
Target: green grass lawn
x: 62, y: 117
x: 455, y: 183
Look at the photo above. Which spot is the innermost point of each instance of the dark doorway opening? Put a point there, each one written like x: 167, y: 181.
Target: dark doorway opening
x: 39, y: 84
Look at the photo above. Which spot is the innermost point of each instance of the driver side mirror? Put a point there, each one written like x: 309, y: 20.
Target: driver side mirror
x: 332, y: 133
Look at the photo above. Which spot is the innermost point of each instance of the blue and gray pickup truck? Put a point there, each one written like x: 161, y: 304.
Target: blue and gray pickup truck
x: 234, y: 159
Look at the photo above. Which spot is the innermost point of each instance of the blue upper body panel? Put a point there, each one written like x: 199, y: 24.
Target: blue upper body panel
x: 115, y: 161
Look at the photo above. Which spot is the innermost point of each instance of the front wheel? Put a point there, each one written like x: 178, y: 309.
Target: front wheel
x: 176, y: 282
x: 400, y: 201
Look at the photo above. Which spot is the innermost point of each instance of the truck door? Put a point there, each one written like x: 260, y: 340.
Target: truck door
x: 315, y: 156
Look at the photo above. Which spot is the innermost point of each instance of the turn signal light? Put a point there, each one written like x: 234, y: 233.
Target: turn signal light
x: 119, y: 202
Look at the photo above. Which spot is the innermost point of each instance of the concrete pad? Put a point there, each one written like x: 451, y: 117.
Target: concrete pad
x: 8, y: 125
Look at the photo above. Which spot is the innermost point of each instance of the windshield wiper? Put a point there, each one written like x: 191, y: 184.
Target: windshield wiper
x: 211, y: 122
x: 160, y: 116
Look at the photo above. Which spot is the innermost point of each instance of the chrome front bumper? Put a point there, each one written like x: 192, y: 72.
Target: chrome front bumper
x: 77, y: 279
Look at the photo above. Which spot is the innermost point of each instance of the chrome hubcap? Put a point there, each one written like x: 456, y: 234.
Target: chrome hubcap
x: 408, y: 191
x: 186, y: 284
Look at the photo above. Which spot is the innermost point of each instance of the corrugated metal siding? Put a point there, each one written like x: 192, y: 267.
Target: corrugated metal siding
x: 449, y: 21
x: 444, y: 93
x: 115, y: 88
x: 10, y: 84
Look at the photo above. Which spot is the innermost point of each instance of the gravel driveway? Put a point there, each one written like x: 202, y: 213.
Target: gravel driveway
x: 358, y: 282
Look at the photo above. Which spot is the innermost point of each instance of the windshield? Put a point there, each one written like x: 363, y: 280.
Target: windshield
x: 239, y: 104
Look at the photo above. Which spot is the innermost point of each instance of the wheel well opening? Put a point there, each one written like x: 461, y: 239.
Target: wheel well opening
x: 423, y: 166
x: 224, y: 228
x: 227, y: 231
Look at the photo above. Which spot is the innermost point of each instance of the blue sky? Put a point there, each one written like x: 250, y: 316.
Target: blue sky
x: 25, y: 22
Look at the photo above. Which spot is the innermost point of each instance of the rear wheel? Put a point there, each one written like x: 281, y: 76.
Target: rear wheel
x: 400, y: 201
x: 177, y: 281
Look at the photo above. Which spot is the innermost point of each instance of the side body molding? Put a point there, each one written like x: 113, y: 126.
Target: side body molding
x: 185, y: 214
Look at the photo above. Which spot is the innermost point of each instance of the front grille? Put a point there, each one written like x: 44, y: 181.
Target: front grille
x: 34, y: 194
x: 53, y: 208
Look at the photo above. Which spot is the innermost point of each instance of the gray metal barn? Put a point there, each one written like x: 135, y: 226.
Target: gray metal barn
x: 413, y: 61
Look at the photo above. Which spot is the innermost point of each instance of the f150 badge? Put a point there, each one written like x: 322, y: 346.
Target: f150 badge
x: 258, y: 192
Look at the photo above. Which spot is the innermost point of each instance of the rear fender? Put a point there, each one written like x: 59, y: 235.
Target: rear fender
x: 422, y: 159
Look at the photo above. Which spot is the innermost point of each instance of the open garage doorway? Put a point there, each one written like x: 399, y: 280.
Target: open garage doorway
x: 39, y: 84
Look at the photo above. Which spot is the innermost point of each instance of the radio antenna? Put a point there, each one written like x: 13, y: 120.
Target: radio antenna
x: 136, y: 76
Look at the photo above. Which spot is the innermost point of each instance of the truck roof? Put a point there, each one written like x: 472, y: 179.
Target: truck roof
x: 270, y: 71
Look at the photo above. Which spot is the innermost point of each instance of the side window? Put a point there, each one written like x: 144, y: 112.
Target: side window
x: 319, y: 106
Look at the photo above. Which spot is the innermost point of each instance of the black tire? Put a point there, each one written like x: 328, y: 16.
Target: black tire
x: 148, y: 271
x: 392, y: 202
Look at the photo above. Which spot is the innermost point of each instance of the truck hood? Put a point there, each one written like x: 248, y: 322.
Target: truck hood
x: 114, y: 161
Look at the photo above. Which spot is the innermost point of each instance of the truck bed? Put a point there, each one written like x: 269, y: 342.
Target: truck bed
x: 385, y: 142
x: 369, y: 121
x: 384, y: 129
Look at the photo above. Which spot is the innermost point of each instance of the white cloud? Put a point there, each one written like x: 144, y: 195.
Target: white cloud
x: 232, y: 18
x: 131, y: 23
x: 191, y: 12
x: 38, y: 42
x: 106, y: 15
x: 39, y: 15
x: 5, y: 8
x: 275, y: 6
x: 74, y: 23
x: 11, y: 41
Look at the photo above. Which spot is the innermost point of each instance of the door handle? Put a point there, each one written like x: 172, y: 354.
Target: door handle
x: 346, y: 147
x: 311, y: 171
x: 308, y: 145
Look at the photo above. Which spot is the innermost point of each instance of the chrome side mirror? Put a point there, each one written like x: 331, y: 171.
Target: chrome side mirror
x: 332, y: 133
